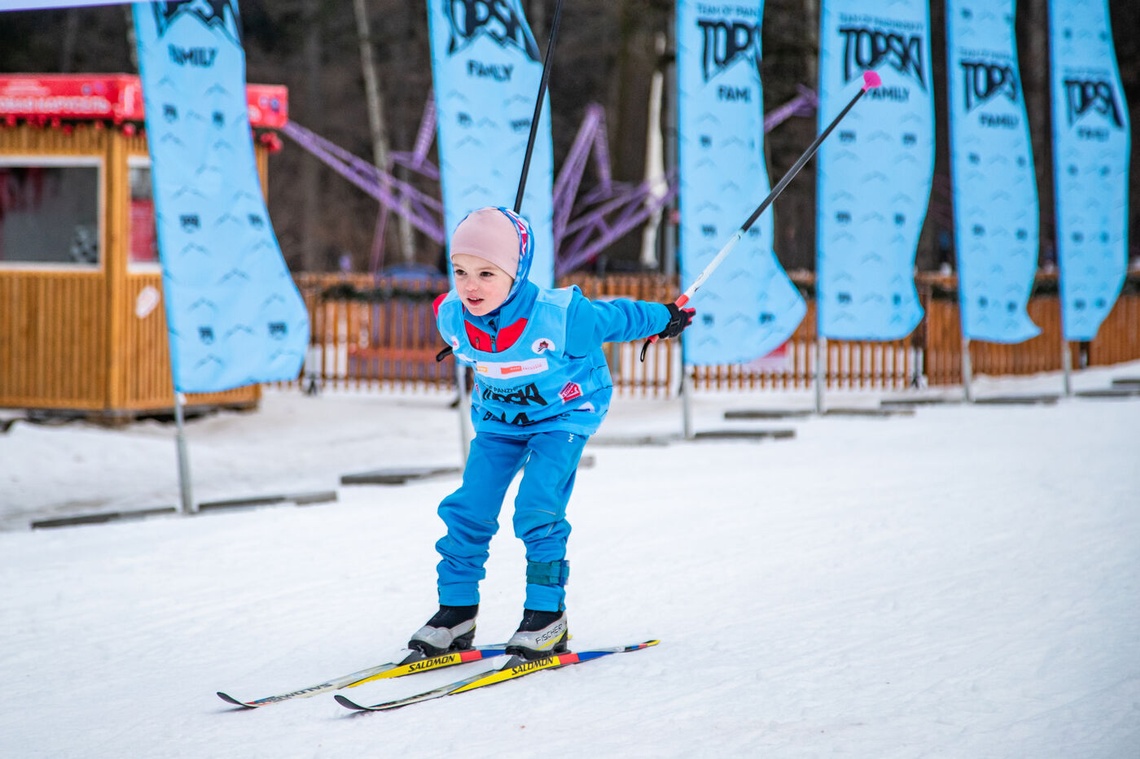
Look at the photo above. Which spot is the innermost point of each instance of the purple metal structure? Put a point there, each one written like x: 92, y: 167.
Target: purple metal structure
x: 613, y: 209
x: 803, y: 104
x: 423, y: 210
x: 601, y: 216
x: 605, y: 213
x: 417, y: 162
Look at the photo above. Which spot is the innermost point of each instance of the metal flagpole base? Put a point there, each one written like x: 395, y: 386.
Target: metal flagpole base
x: 464, y: 406
x: 686, y: 407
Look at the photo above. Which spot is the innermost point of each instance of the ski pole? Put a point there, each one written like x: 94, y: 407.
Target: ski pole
x: 871, y: 80
x: 542, y: 82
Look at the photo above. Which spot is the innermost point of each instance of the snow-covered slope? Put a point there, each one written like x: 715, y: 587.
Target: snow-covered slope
x: 964, y: 582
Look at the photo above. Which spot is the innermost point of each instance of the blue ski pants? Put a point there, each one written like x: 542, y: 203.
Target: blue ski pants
x: 471, y: 514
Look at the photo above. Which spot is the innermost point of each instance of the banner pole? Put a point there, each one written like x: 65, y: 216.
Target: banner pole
x: 967, y: 371
x: 1066, y: 354
x: 820, y: 368
x: 1066, y: 367
x: 463, y: 403
x: 686, y: 395
x: 183, y: 456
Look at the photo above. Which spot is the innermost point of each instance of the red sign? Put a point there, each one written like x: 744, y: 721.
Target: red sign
x: 113, y: 97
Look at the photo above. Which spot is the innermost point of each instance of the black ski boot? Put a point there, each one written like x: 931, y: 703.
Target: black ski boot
x: 451, y: 629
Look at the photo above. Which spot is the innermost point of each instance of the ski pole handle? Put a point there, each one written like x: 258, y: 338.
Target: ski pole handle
x: 679, y: 319
x: 679, y: 303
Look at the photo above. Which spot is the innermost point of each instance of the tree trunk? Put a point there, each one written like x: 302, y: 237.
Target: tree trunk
x: 1032, y: 24
x: 801, y: 251
x: 131, y: 40
x: 536, y: 19
x: 377, y: 126
x: 67, y: 47
x: 310, y: 168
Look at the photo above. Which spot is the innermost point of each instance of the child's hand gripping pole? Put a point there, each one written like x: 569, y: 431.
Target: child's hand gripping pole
x: 871, y: 80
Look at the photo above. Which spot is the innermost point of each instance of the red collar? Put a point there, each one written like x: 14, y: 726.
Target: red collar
x: 483, y: 341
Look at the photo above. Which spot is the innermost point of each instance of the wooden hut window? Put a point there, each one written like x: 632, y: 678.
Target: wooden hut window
x: 49, y: 213
x: 143, y: 241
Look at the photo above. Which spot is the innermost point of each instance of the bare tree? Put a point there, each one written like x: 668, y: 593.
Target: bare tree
x: 311, y: 259
x: 377, y: 124
x: 67, y: 46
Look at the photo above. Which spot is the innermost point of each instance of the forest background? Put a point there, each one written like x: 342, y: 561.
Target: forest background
x: 606, y: 53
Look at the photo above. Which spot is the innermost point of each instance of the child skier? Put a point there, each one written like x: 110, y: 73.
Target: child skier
x: 542, y: 387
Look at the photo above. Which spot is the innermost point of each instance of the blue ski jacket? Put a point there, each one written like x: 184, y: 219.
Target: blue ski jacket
x: 538, y: 359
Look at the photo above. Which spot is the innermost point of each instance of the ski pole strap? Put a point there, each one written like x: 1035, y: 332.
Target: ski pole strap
x: 547, y: 572
x: 679, y: 303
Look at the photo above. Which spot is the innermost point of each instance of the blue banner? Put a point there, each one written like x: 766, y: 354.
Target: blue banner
x: 875, y: 172
x: 486, y: 70
x: 991, y: 162
x: 748, y: 307
x: 1091, y: 150
x: 234, y: 315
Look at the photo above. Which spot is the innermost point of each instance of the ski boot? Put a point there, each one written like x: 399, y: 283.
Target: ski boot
x: 540, y: 634
x: 451, y: 629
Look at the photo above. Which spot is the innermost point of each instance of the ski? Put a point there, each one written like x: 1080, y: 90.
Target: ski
x: 411, y: 664
x: 512, y: 669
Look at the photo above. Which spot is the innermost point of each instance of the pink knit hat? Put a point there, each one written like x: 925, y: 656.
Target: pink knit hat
x: 488, y: 234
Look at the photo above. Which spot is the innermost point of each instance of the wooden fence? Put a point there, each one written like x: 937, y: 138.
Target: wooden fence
x: 370, y: 333
x: 367, y: 332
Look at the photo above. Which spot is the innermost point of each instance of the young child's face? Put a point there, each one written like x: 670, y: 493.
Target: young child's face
x: 482, y: 285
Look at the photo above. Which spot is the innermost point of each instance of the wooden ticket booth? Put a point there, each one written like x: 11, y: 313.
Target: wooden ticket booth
x: 82, y: 323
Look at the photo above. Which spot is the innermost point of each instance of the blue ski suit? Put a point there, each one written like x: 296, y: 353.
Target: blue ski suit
x: 542, y: 387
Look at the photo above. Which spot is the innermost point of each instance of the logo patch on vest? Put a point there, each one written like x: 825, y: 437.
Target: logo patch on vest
x: 523, y: 396
x: 570, y: 391
x: 503, y: 369
x: 543, y: 344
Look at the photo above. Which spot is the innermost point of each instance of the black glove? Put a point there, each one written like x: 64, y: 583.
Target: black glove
x: 679, y: 318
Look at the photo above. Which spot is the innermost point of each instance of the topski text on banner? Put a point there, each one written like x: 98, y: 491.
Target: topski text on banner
x: 1091, y: 149
x: 995, y: 188
x: 752, y: 307
x: 234, y: 315
x: 874, y: 180
x: 486, y: 70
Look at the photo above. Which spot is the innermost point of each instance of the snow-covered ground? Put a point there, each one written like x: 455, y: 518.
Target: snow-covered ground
x: 963, y: 582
